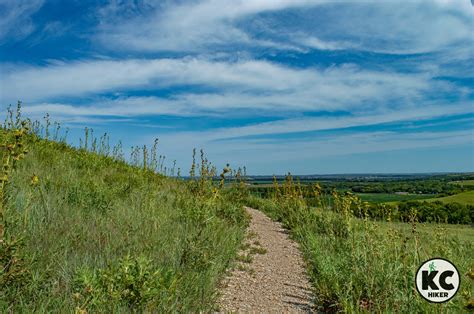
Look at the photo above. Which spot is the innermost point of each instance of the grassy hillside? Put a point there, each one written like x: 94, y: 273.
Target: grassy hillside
x: 86, y: 232
x: 465, y: 198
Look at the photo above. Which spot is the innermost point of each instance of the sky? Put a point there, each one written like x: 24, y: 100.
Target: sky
x: 300, y: 86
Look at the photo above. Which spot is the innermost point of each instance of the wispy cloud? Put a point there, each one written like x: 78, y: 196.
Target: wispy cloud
x: 316, y: 43
x: 184, y: 27
x: 299, y: 125
x: 15, y: 18
x: 375, y: 26
x: 251, y: 84
x: 428, y: 26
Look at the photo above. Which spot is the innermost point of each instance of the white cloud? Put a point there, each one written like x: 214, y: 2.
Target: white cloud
x: 257, y: 85
x: 308, y: 124
x: 365, y: 142
x: 129, y: 107
x: 124, y: 107
x: 15, y: 18
x: 387, y: 26
x: 314, y: 42
x: 184, y: 27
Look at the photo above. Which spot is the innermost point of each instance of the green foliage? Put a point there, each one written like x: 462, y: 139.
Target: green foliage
x: 129, y: 282
x: 464, y: 198
x: 378, y: 189
x: 464, y: 183
x: 453, y: 213
x: 13, y: 271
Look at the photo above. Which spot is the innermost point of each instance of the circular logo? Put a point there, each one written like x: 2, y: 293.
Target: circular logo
x: 437, y: 280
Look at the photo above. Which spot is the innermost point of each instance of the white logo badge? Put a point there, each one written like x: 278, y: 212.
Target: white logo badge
x: 437, y: 280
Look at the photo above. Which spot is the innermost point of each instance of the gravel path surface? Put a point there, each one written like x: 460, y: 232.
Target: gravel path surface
x: 270, y: 276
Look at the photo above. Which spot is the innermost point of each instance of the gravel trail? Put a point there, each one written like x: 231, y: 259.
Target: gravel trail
x: 270, y: 277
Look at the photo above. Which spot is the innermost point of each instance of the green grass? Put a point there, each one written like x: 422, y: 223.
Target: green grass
x: 358, y: 265
x: 262, y: 184
x: 465, y: 198
x: 463, y: 182
x: 429, y: 231
x: 102, y: 236
x: 390, y: 197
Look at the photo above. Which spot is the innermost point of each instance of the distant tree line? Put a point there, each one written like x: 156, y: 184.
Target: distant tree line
x: 452, y: 213
x: 437, y: 187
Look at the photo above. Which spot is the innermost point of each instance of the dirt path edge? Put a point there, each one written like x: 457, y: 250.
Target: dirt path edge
x: 270, y: 274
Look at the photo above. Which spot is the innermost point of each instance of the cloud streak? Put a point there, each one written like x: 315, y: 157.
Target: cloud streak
x: 374, y: 26
x: 15, y: 18
x: 250, y: 84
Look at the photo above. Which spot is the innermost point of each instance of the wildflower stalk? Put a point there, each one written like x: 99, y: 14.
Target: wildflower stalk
x: 14, y: 151
x: 276, y: 189
x: 192, y: 172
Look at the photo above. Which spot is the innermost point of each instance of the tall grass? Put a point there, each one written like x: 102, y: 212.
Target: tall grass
x: 361, y: 265
x: 88, y: 232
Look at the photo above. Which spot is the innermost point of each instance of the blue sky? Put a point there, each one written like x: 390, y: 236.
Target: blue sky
x: 311, y: 87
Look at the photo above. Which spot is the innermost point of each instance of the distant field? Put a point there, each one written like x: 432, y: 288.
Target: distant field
x: 466, y: 198
x: 464, y: 182
x: 262, y: 185
x: 388, y: 197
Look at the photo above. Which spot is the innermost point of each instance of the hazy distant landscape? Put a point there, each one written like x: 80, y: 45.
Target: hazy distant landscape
x: 381, y: 188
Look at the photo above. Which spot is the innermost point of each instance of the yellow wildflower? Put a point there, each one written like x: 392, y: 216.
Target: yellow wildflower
x: 34, y: 180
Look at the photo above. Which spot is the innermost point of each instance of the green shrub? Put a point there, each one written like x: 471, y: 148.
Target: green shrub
x: 130, y: 282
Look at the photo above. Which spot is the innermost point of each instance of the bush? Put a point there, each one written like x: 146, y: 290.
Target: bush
x: 130, y: 282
